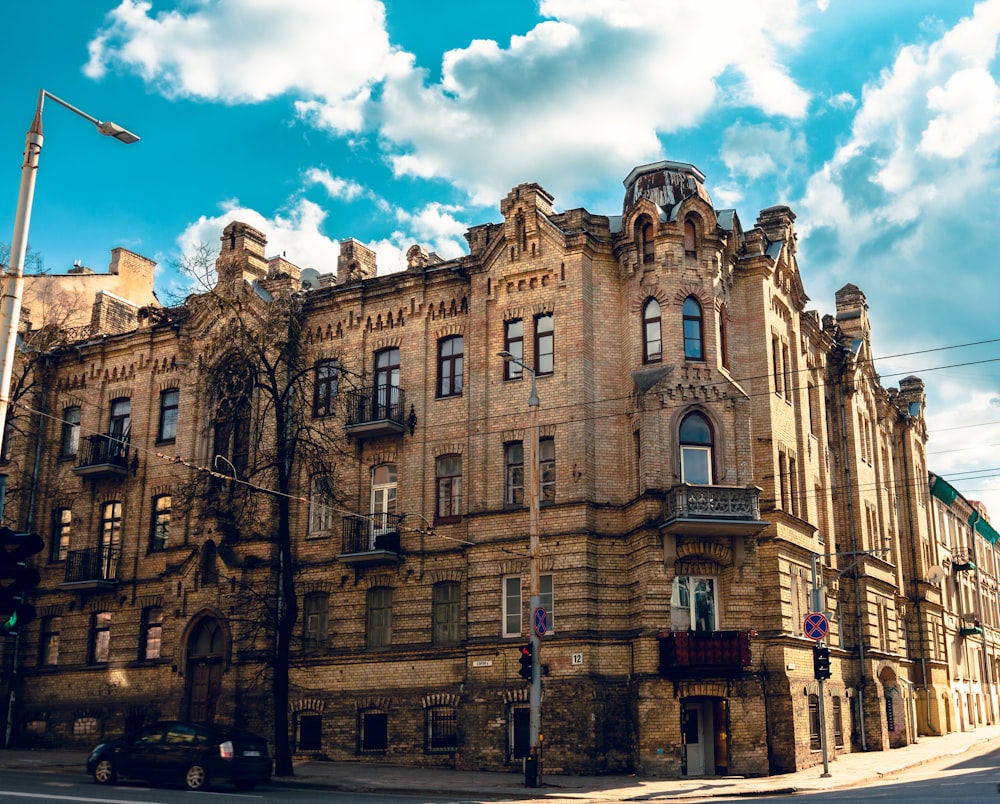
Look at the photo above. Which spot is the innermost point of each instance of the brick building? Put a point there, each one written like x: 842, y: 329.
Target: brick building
x: 712, y: 457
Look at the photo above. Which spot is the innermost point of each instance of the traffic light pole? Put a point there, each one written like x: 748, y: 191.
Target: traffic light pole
x: 817, y: 605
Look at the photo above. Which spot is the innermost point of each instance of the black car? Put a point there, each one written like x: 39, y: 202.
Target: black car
x: 196, y: 754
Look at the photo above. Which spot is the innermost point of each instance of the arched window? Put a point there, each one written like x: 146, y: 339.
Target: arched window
x: 694, y: 344
x: 232, y: 415
x: 690, y: 237
x: 696, y: 450
x: 652, y: 341
x: 644, y: 236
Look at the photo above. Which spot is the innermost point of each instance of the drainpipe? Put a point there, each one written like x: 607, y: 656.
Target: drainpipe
x: 916, y: 584
x: 854, y: 546
x: 985, y: 665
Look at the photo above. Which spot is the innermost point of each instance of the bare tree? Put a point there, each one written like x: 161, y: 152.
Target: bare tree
x: 265, y: 439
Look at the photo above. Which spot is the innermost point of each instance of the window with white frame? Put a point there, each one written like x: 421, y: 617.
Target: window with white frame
x: 546, y: 599
x: 322, y: 514
x: 693, y: 604
x: 696, y: 450
x: 512, y: 606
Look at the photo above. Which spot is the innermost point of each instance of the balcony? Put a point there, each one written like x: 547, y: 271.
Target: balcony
x: 370, y: 540
x: 104, y: 455
x: 95, y: 568
x: 687, y: 653
x: 708, y: 510
x: 375, y: 411
x: 962, y: 561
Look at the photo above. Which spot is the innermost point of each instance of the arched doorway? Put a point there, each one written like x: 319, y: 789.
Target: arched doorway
x: 206, y: 649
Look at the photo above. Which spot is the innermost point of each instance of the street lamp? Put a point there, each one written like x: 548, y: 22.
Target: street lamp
x: 531, y: 481
x: 13, y: 280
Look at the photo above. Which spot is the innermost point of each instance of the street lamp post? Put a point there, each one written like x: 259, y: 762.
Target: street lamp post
x: 13, y: 280
x: 531, y: 482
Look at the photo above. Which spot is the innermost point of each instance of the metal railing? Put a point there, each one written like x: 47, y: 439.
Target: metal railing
x: 712, y: 502
x: 93, y: 564
x: 376, y: 403
x: 709, y: 650
x: 104, y: 449
x: 366, y: 534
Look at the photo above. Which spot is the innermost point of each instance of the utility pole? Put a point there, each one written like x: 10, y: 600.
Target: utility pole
x: 533, y: 771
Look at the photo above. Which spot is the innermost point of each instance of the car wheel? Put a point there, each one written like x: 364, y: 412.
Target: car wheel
x: 196, y: 778
x: 244, y: 785
x: 105, y: 773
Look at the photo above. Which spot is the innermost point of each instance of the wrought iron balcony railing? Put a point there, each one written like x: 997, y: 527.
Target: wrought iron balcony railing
x: 375, y: 411
x: 371, y: 539
x: 707, y: 509
x: 719, y: 652
x: 96, y: 566
x: 102, y: 455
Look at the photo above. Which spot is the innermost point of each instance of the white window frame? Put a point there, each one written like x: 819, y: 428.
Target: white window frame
x: 547, y: 599
x: 511, y: 605
x: 675, y: 602
x: 322, y: 516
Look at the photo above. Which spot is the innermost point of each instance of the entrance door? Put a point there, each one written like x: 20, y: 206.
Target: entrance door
x: 702, y: 734
x: 204, y: 671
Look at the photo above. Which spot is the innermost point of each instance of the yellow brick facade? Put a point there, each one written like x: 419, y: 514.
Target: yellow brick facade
x: 803, y: 452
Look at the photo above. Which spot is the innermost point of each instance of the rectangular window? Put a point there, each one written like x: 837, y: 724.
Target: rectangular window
x: 838, y: 724
x: 450, y: 366
x: 544, y: 344
x: 322, y: 513
x: 111, y: 534
x: 442, y: 733
x: 696, y: 465
x: 373, y: 732
x: 514, y: 486
x: 446, y: 612
x: 814, y: 410
x: 448, y: 479
x: 62, y: 527
x: 379, y: 625
x: 325, y: 385
x: 152, y: 633
x: 49, y: 644
x: 779, y: 377
x: 308, y: 732
x: 513, y: 342
x: 69, y: 443
x: 315, y: 613
x: 793, y: 485
x: 169, y: 401
x: 161, y: 522
x: 786, y: 370
x: 814, y: 724
x: 546, y: 600
x: 100, y: 637
x: 512, y: 606
x: 547, y: 471
x: 693, y: 605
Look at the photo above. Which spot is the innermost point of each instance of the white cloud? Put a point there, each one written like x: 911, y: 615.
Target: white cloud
x: 500, y: 115
x: 893, y: 198
x: 296, y: 233
x: 250, y: 50
x: 347, y: 189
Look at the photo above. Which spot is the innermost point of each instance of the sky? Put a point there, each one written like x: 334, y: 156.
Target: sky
x: 402, y: 122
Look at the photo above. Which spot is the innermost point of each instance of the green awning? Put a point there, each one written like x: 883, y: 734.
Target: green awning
x: 983, y: 528
x: 943, y: 490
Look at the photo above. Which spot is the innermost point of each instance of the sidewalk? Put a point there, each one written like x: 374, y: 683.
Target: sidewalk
x: 846, y: 771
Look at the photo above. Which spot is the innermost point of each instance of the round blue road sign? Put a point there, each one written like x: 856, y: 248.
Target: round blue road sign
x: 815, y: 625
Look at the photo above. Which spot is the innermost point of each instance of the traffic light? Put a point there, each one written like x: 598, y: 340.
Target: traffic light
x: 527, y: 661
x: 16, y: 577
x: 821, y: 662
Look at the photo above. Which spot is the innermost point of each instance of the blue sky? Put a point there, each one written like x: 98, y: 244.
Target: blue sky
x: 400, y: 122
